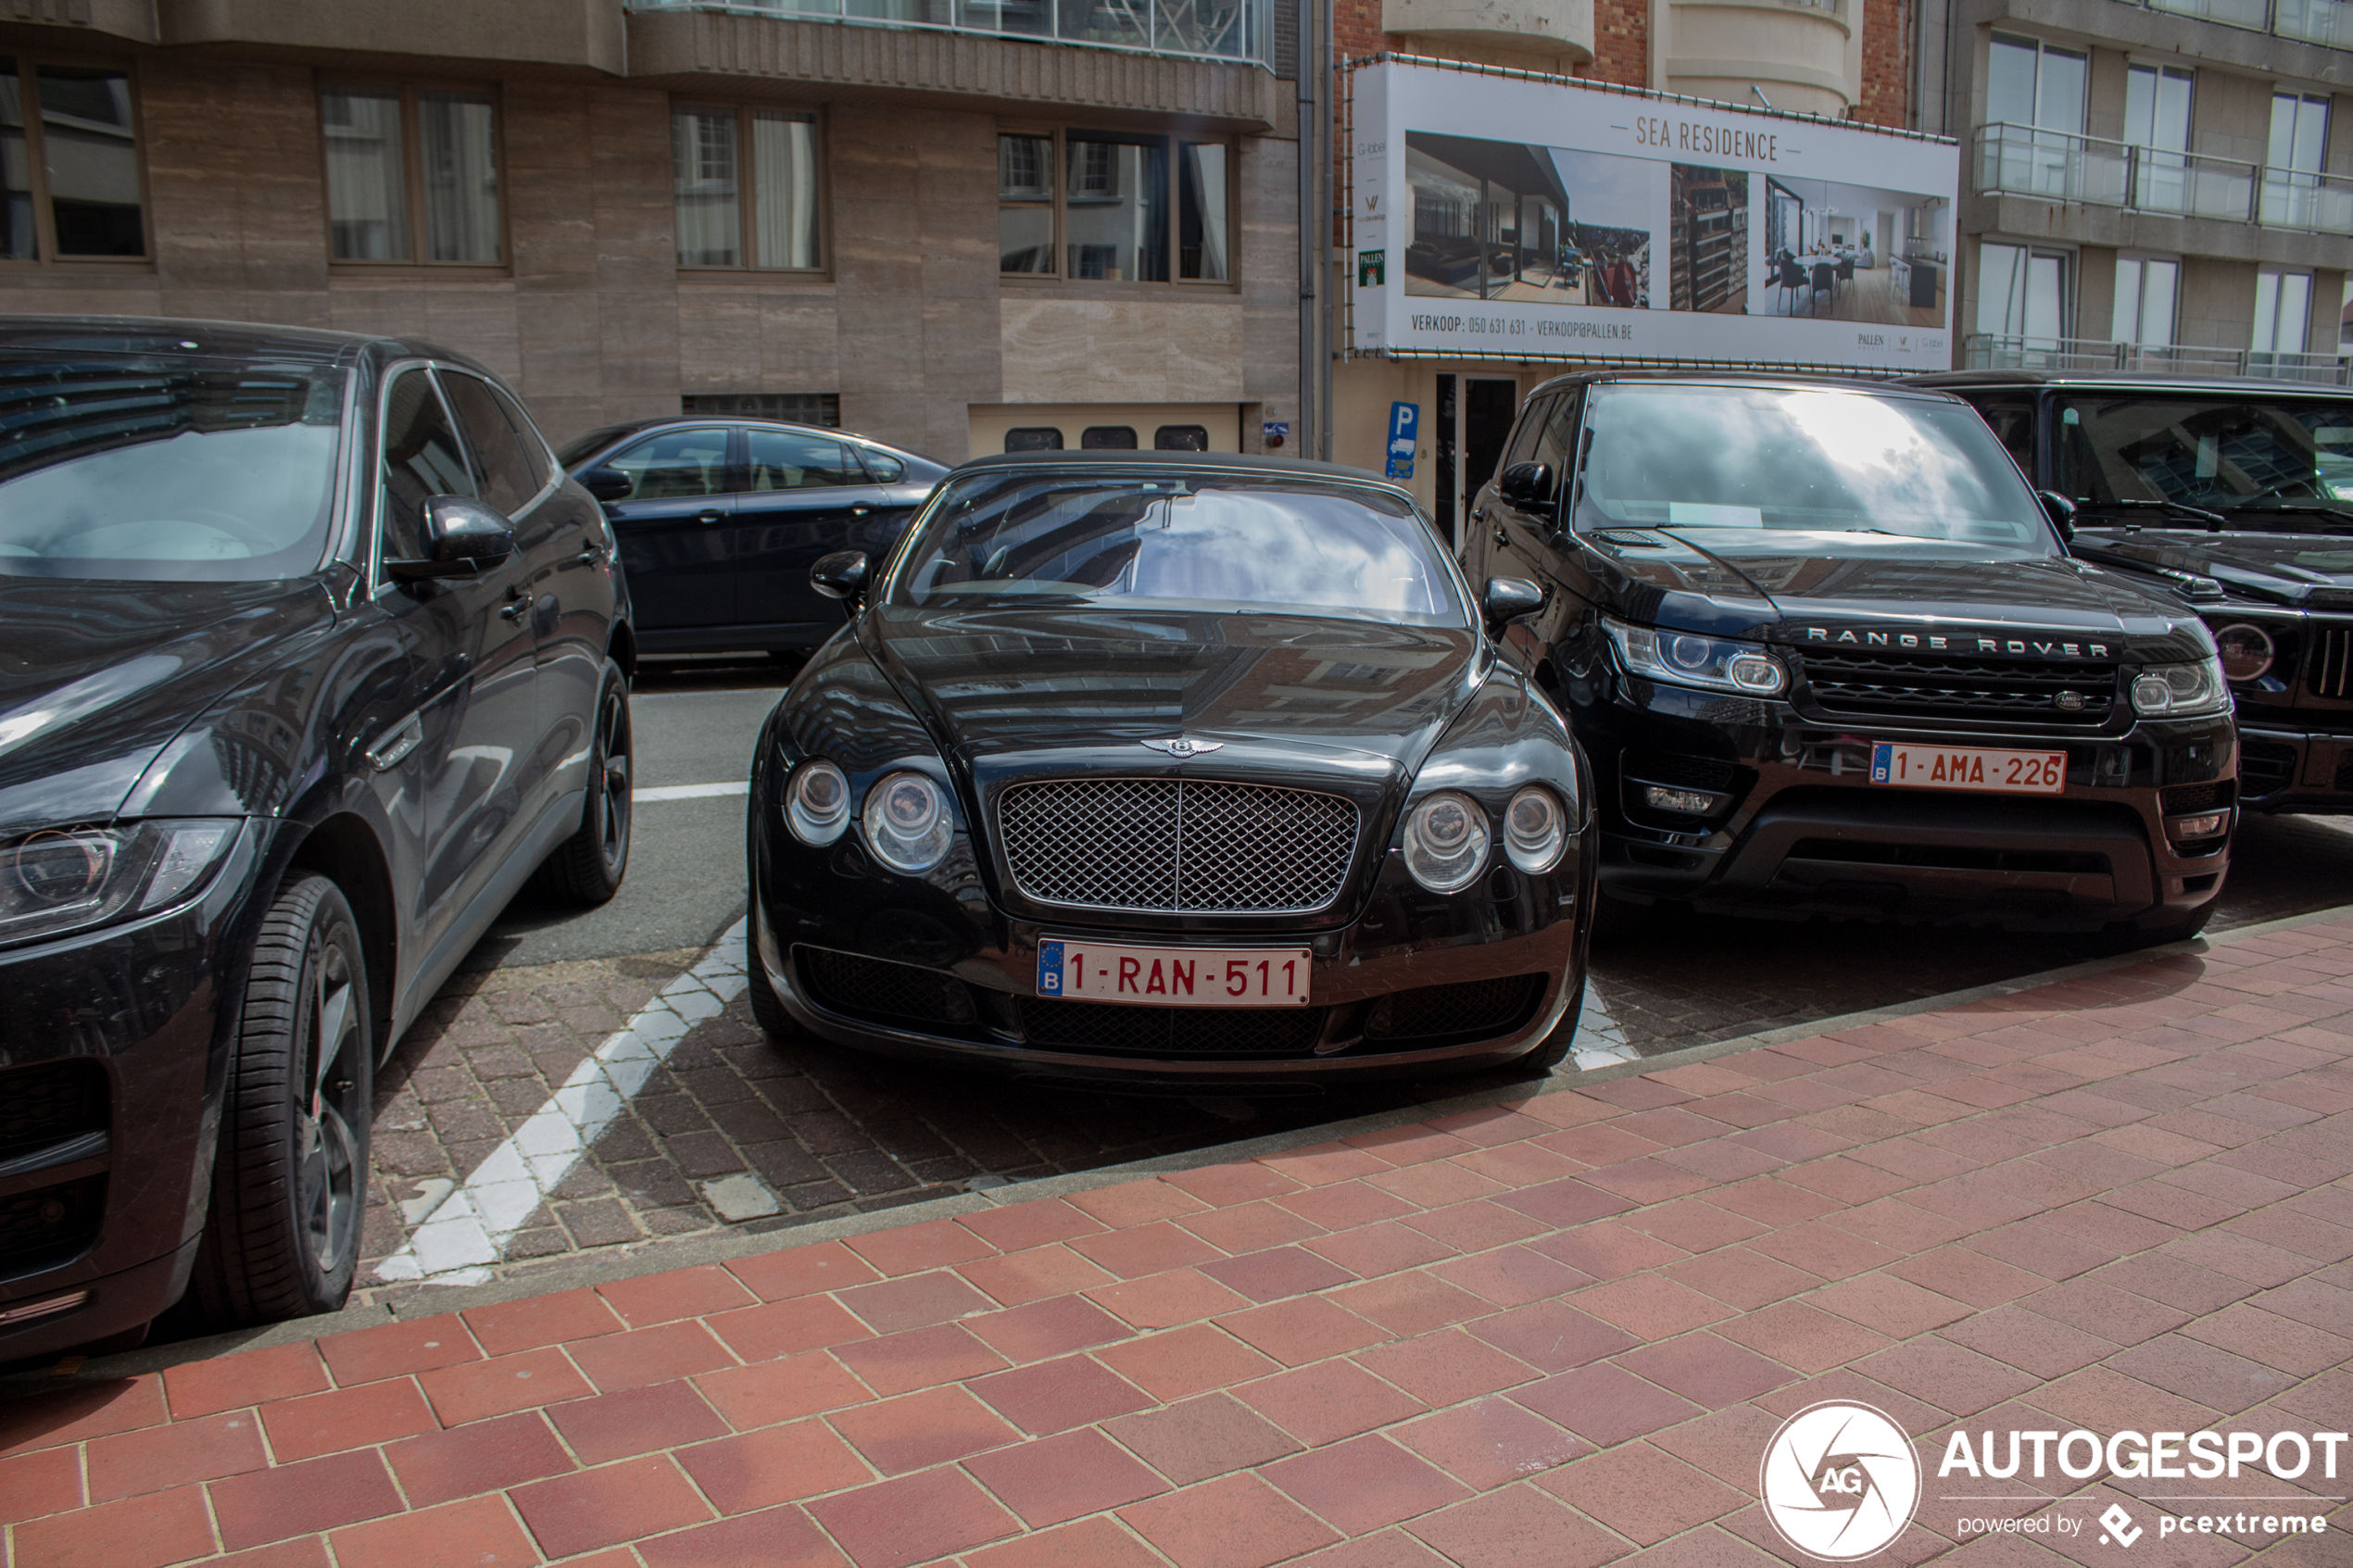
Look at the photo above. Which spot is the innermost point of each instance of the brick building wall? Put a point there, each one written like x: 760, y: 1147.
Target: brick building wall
x: 1887, y: 61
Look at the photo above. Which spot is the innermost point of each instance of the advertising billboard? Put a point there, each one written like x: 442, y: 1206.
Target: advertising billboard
x: 1506, y: 218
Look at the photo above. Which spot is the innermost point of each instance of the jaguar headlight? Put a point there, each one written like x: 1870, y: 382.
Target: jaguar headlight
x: 2180, y: 691
x: 1687, y: 658
x: 817, y: 803
x: 907, y: 821
x: 66, y: 879
x: 1535, y: 830
x: 1446, y: 841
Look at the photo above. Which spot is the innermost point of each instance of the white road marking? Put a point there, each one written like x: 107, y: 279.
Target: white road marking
x: 1601, y: 1042
x: 690, y: 792
x: 467, y: 1231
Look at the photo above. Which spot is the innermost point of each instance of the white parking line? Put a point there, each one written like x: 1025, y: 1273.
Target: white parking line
x: 690, y: 792
x: 468, y: 1230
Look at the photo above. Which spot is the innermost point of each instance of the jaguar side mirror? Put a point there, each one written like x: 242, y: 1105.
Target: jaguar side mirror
x: 1527, y: 485
x: 462, y: 538
x: 1509, y: 597
x: 608, y: 484
x: 841, y: 575
x: 2061, y: 511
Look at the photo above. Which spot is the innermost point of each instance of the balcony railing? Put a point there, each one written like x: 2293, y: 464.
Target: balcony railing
x: 1986, y: 351
x: 2310, y: 21
x: 2058, y: 166
x: 1220, y: 29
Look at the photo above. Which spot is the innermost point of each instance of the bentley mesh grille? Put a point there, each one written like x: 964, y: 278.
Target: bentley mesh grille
x: 1868, y: 685
x: 1177, y: 846
x: 1469, y: 1007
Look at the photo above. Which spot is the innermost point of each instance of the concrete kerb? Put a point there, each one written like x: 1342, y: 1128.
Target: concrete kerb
x: 661, y: 1257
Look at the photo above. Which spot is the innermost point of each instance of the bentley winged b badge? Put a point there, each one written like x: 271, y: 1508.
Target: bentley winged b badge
x: 1179, y: 747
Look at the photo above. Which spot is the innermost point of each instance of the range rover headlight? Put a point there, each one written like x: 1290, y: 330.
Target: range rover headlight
x: 1687, y: 658
x: 1535, y: 830
x: 817, y: 803
x: 2247, y: 651
x: 2180, y: 691
x: 908, y: 826
x: 63, y: 879
x: 1446, y: 841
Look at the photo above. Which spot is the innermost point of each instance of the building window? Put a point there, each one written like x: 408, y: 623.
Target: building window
x: 2022, y: 297
x: 1181, y: 438
x: 2293, y: 196
x: 2156, y: 120
x: 412, y: 175
x: 747, y: 187
x: 2034, y: 111
x: 2282, y: 314
x: 1107, y: 438
x: 69, y: 174
x: 1033, y: 438
x: 2145, y: 289
x: 1124, y: 211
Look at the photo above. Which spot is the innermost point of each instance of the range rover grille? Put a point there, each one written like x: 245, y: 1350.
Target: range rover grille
x: 1177, y: 846
x: 2078, y: 694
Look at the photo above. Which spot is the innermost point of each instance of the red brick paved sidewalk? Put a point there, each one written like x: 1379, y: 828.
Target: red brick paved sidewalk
x: 1558, y: 1335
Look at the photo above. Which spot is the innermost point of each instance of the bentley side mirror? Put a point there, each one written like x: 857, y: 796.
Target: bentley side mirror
x: 1509, y: 597
x: 1527, y: 485
x: 841, y: 575
x: 2061, y: 511
x: 608, y: 484
x: 463, y: 538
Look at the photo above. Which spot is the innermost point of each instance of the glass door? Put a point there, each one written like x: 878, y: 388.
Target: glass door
x: 2156, y: 122
x: 2034, y: 111
x: 2282, y: 311
x: 2291, y: 167
x: 2145, y: 289
x: 2021, y: 303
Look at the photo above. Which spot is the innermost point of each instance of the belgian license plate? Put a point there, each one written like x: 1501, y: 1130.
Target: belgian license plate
x: 1175, y: 977
x: 1963, y: 767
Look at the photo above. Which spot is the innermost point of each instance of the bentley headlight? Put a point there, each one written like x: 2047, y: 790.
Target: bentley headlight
x: 907, y: 821
x: 1445, y: 841
x: 2247, y: 651
x: 1535, y: 830
x: 63, y: 879
x: 817, y: 803
x: 2180, y: 691
x: 1687, y: 658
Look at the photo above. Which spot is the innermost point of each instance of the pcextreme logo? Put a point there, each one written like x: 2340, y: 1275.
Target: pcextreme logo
x: 1840, y: 1481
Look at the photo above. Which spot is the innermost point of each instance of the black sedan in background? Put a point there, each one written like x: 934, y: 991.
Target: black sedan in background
x: 310, y: 657
x: 720, y: 519
x: 1176, y: 769
x: 2234, y: 499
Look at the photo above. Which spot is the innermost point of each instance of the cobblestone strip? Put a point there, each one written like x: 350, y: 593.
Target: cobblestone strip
x: 468, y: 1229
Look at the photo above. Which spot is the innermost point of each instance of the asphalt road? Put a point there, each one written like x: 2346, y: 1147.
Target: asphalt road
x: 695, y: 725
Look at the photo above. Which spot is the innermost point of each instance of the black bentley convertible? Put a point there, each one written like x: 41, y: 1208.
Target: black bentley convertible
x: 1185, y: 768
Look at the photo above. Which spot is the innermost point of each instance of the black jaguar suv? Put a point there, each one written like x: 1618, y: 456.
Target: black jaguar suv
x: 310, y: 657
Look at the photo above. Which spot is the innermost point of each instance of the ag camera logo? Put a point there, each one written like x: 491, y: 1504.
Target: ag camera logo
x: 1840, y: 1481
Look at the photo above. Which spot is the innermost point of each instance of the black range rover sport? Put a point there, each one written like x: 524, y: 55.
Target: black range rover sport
x: 1829, y: 655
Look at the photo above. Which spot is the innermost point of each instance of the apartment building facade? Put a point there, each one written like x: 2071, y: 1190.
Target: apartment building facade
x: 950, y: 224
x: 1496, y: 215
x: 2152, y: 185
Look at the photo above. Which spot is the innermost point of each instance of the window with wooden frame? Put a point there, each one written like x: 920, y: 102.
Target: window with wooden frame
x: 71, y: 182
x: 747, y: 185
x: 412, y: 175
x: 1114, y: 206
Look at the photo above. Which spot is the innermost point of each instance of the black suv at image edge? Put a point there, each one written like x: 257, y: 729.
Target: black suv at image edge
x: 1828, y: 655
x: 2234, y: 498
x: 310, y: 656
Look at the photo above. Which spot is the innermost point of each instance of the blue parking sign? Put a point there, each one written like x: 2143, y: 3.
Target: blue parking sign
x: 1405, y: 427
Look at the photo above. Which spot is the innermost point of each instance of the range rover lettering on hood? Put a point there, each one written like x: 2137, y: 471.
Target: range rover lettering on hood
x: 1958, y: 643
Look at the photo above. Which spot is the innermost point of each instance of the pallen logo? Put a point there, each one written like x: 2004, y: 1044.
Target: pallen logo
x: 1840, y: 1481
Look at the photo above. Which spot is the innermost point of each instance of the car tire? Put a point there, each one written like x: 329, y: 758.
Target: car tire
x: 1540, y: 1062
x: 589, y: 866
x: 290, y: 1177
